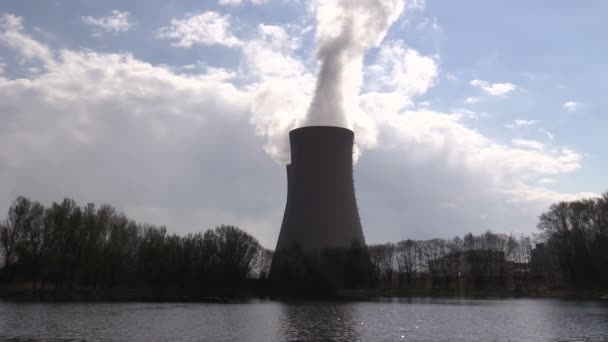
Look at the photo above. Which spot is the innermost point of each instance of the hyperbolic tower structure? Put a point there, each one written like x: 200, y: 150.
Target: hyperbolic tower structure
x: 321, y: 209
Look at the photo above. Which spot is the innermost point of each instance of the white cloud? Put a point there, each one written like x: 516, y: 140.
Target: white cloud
x: 116, y: 22
x: 443, y: 133
x: 398, y: 75
x: 546, y: 181
x: 465, y: 113
x: 520, y: 122
x: 570, y: 106
x: 531, y: 144
x: 435, y: 26
x: 416, y: 4
x: 239, y: 2
x: 495, y: 89
x: 114, y: 117
x: 154, y: 143
x: 206, y: 28
x: 431, y: 23
x: 410, y: 150
x: 281, y: 86
x: 435, y: 155
x: 13, y: 36
x: 278, y: 37
x: 401, y: 69
x: 546, y: 133
x: 471, y: 100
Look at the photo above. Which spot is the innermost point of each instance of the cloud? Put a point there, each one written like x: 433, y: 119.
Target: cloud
x: 495, y: 89
x: 520, y: 122
x: 401, y: 69
x: 397, y: 76
x: 425, y: 158
x: 152, y: 142
x: 436, y: 156
x: 531, y: 144
x: 416, y: 4
x: 239, y: 2
x: 524, y: 122
x: 116, y: 22
x: 546, y: 133
x: 190, y: 150
x: 428, y: 22
x: 444, y: 133
x: 285, y: 86
x: 467, y: 114
x: 570, y: 106
x: 13, y: 36
x: 471, y: 100
x: 281, y: 86
x: 413, y: 156
x: 206, y: 28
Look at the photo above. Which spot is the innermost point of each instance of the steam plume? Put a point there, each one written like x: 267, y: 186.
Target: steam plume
x: 345, y: 29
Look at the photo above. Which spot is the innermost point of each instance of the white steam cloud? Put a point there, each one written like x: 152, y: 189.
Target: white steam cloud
x: 345, y: 30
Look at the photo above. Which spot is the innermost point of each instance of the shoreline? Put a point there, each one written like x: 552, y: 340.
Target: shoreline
x: 225, y: 296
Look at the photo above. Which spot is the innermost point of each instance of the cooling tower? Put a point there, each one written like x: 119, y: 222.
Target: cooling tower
x: 321, y: 209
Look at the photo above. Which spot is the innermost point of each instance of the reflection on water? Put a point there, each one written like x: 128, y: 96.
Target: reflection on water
x: 388, y: 320
x: 318, y: 321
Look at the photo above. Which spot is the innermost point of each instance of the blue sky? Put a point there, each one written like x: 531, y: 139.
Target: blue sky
x: 472, y: 115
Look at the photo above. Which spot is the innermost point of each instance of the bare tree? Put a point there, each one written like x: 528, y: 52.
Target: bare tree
x: 406, y: 258
x: 383, y: 259
x: 237, y: 253
x: 22, y: 216
x: 264, y: 263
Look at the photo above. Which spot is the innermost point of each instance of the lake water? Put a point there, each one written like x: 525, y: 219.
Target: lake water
x: 388, y: 320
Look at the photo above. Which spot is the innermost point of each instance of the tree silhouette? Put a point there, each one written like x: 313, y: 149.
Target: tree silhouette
x: 66, y: 247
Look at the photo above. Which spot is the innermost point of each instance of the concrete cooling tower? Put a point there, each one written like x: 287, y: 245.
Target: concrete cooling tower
x: 321, y: 209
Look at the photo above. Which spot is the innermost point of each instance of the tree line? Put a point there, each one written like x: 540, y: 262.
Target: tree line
x: 487, y: 260
x: 67, y: 246
x: 570, y: 251
x: 575, y: 249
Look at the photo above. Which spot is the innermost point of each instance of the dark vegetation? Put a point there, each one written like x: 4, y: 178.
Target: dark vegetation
x: 85, y: 252
x: 569, y: 256
x: 67, y: 249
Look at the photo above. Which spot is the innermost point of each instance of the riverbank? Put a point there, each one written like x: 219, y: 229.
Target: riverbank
x: 582, y: 294
x: 229, y: 296
x: 129, y: 295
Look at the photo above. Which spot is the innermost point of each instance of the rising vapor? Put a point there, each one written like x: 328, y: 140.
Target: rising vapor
x: 345, y: 30
x: 291, y: 96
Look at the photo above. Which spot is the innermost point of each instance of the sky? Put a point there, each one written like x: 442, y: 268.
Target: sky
x: 468, y: 115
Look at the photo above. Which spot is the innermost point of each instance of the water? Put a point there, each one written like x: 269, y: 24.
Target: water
x: 390, y: 320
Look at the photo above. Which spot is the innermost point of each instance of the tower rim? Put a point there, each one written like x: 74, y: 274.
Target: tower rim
x: 328, y: 127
